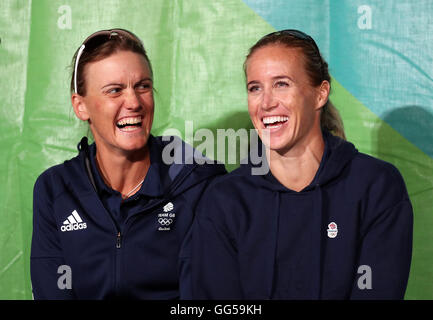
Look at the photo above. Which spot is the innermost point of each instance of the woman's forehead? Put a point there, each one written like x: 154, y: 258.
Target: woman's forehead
x: 275, y: 57
x: 118, y: 65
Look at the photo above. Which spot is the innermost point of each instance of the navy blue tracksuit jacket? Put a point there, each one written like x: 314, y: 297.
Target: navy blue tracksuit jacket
x: 348, y: 235
x: 140, y: 258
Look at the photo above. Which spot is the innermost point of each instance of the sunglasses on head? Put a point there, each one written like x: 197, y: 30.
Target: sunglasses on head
x: 295, y: 34
x: 97, y: 39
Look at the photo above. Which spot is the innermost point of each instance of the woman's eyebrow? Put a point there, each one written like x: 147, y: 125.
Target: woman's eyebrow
x: 144, y: 80
x: 252, y: 82
x: 113, y: 84
x: 123, y: 85
x: 279, y: 77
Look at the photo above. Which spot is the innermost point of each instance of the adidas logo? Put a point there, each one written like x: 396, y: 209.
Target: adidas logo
x: 74, y: 222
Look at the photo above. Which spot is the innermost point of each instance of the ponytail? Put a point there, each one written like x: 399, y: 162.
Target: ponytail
x: 330, y: 120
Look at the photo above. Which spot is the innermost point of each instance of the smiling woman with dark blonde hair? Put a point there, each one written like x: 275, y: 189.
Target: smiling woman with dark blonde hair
x: 326, y: 221
x: 111, y: 222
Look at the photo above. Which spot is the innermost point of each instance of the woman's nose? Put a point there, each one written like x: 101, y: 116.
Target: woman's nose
x: 269, y: 100
x: 132, y: 100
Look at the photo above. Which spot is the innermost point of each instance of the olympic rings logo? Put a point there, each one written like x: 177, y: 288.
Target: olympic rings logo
x: 165, y: 221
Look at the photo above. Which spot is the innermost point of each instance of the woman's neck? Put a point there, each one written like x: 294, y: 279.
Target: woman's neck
x: 122, y: 172
x: 296, y: 168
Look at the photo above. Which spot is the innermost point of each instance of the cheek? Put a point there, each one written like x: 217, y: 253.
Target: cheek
x: 150, y: 111
x: 148, y: 102
x: 305, y: 116
x: 98, y: 111
x: 253, y: 105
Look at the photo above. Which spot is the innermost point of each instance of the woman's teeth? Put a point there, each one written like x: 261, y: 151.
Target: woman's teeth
x: 274, y: 121
x: 126, y: 122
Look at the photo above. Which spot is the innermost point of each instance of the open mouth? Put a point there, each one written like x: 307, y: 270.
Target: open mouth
x: 274, y: 121
x: 129, y: 124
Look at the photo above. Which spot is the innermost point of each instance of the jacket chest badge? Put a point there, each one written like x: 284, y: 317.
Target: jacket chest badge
x: 166, y: 218
x: 332, y: 230
x: 73, y: 223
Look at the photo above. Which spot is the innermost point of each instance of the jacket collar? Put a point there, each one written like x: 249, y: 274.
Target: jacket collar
x: 152, y: 185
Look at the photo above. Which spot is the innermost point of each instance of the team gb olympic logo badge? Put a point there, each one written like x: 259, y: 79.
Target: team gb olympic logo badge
x: 332, y: 230
x: 166, y: 218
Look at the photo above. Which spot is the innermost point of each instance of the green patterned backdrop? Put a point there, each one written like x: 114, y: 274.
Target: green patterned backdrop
x: 380, y: 55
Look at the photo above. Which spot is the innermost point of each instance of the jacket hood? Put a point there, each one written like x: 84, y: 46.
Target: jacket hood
x: 183, y: 168
x: 337, y: 154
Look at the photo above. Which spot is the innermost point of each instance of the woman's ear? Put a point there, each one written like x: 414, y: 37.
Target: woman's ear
x: 79, y: 106
x: 323, y: 95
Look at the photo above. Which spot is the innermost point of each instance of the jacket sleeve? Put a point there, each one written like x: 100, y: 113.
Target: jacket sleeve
x: 386, y: 241
x: 215, y: 271
x: 193, y: 196
x: 46, y: 261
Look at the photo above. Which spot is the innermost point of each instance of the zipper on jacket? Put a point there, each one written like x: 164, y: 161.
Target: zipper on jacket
x: 118, y: 240
x: 117, y: 287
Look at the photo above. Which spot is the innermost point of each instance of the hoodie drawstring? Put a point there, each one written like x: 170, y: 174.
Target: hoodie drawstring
x: 317, y: 236
x: 272, y: 258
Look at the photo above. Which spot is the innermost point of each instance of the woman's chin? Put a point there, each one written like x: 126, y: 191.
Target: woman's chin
x: 275, y: 142
x: 129, y: 145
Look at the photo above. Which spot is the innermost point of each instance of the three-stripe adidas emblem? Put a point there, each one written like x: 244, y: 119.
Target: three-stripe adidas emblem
x: 74, y: 222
